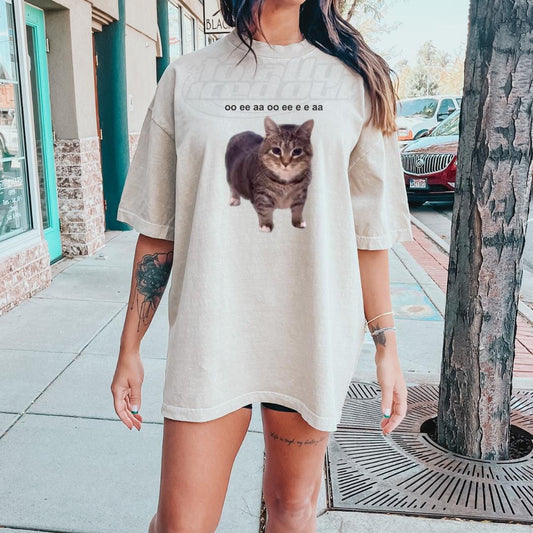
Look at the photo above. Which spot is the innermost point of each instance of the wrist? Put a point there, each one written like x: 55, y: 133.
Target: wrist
x: 388, y: 350
x: 129, y: 349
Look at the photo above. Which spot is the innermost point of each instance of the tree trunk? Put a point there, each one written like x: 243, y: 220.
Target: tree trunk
x: 488, y: 230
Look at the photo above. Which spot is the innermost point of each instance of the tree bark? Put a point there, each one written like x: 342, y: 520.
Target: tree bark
x: 489, y: 221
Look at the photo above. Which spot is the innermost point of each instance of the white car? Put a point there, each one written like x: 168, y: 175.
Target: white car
x: 416, y: 116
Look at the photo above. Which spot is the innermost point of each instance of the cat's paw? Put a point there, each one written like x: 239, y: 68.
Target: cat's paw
x: 266, y: 228
x: 234, y: 201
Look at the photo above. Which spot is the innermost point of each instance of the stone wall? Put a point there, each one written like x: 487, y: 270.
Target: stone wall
x: 23, y: 274
x: 80, y: 195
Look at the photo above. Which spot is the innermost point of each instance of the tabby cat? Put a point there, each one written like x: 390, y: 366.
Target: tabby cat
x: 272, y: 171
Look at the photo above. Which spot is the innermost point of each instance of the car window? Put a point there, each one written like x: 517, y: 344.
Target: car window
x: 444, y: 105
x: 422, y: 107
x: 449, y: 126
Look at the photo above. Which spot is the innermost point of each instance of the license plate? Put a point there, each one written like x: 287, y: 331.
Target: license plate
x: 418, y: 183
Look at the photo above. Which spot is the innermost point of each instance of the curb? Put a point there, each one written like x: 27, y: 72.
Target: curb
x: 523, y: 309
x: 432, y: 290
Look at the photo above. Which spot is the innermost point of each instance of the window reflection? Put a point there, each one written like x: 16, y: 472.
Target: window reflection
x: 14, y: 198
x: 174, y: 25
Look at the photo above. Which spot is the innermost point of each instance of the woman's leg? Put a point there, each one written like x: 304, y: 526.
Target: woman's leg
x: 196, y: 462
x: 295, y: 454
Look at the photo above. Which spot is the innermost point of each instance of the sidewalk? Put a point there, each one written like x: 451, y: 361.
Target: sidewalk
x: 69, y: 465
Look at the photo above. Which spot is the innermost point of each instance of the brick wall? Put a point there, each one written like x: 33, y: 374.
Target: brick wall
x: 80, y: 195
x: 23, y: 274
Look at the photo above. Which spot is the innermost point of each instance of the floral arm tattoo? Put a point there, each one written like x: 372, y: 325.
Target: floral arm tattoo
x: 151, y: 276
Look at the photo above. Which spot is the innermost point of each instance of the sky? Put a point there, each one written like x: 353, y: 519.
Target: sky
x: 443, y: 22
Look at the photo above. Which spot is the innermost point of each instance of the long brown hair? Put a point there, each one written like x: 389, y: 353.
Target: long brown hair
x: 322, y: 25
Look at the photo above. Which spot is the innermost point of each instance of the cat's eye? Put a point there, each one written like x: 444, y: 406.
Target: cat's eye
x: 276, y: 150
x: 297, y: 151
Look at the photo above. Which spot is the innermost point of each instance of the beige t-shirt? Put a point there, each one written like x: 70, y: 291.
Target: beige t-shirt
x: 267, y: 179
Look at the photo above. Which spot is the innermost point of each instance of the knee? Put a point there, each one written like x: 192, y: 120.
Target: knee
x: 290, y: 510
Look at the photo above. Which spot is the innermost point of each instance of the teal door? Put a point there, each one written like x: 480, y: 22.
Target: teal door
x: 42, y: 120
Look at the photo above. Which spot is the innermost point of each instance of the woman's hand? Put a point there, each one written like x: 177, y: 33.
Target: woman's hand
x: 393, y: 388
x: 126, y: 388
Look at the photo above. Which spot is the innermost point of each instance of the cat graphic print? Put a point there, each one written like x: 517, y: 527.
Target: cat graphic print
x: 272, y: 172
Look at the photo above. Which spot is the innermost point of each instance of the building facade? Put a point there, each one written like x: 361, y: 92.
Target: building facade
x: 76, y: 79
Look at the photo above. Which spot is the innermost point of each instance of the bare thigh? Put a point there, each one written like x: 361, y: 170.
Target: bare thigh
x: 295, y: 453
x: 196, y: 463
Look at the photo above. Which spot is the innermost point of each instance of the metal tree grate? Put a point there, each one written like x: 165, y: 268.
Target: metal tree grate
x: 406, y: 472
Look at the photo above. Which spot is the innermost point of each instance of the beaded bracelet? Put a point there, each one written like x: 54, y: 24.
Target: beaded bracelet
x: 376, y: 331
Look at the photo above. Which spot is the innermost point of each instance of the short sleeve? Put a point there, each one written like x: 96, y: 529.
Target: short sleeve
x: 148, y: 198
x: 377, y: 188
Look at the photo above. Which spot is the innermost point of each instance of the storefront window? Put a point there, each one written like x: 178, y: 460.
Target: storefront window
x: 188, y: 34
x: 174, y: 30
x: 182, y: 29
x: 201, y: 37
x: 14, y: 196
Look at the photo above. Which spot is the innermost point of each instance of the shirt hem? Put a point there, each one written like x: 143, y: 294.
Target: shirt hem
x: 156, y: 231
x: 206, y: 414
x: 380, y: 242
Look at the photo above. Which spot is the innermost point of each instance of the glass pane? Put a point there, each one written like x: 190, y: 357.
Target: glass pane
x: 7, y: 43
x: 37, y: 125
x: 14, y: 197
x: 174, y: 31
x: 201, y: 37
x: 419, y: 107
x: 445, y: 104
x: 188, y: 34
x: 449, y: 126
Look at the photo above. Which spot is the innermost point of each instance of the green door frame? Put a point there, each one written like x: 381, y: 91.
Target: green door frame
x: 35, y: 21
x: 113, y: 113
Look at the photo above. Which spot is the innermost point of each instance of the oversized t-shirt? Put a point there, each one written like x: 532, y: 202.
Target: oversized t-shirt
x: 267, y: 178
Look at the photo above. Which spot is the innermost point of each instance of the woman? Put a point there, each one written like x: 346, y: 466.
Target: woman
x: 259, y: 171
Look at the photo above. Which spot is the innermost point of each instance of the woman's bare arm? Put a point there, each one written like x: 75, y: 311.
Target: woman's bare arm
x: 151, y: 269
x: 374, y: 269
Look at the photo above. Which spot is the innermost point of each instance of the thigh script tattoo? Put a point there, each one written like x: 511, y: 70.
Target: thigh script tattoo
x: 298, y: 443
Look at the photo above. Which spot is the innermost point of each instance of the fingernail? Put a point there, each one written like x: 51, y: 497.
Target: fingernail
x: 386, y: 413
x: 135, y: 409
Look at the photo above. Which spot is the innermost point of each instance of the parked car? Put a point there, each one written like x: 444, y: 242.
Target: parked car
x: 430, y: 163
x: 416, y: 116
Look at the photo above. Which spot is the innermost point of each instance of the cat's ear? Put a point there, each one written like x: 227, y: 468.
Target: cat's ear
x: 270, y: 126
x: 307, y: 127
